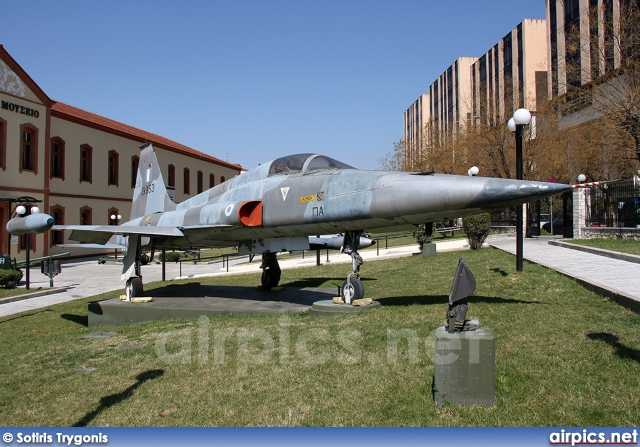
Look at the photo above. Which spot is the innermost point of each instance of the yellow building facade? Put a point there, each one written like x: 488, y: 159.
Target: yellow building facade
x: 79, y: 167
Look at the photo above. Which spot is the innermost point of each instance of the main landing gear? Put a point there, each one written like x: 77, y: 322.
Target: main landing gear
x: 131, y: 268
x: 352, y: 288
x: 134, y: 287
x: 270, y: 271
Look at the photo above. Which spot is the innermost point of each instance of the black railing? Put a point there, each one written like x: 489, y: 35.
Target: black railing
x: 614, y: 204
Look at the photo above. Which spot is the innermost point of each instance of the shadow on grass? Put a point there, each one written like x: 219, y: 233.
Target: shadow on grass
x: 500, y: 271
x: 197, y: 288
x: 444, y: 299
x: 25, y: 315
x: 317, y: 282
x: 82, y: 320
x: 622, y: 351
x: 113, y: 399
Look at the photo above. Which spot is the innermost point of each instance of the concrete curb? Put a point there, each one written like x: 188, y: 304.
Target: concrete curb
x: 598, y: 251
x: 618, y: 296
x: 26, y: 296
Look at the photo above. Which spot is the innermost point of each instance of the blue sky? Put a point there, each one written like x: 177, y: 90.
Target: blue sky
x: 248, y: 81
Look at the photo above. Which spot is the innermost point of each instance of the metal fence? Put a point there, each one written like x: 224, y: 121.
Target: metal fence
x: 614, y: 204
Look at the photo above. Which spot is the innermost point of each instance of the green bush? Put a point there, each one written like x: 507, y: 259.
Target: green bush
x: 171, y: 256
x: 421, y: 235
x: 10, y: 277
x: 477, y: 229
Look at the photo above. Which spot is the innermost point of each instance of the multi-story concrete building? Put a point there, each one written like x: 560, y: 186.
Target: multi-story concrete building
x: 78, y: 166
x: 437, y: 114
x: 586, y: 45
x: 511, y: 75
x: 450, y: 105
x: 416, y: 118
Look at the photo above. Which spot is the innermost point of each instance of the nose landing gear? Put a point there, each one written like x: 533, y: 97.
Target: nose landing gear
x: 352, y: 288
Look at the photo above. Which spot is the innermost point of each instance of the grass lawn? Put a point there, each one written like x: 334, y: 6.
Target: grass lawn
x: 15, y: 291
x: 623, y: 245
x: 564, y: 357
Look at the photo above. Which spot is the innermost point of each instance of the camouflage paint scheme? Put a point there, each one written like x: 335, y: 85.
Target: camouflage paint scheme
x: 277, y: 205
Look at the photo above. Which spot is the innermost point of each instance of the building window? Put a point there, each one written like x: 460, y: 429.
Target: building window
x: 113, y: 167
x: 28, y: 148
x: 3, y: 145
x: 572, y: 43
x: 22, y: 242
x: 85, y: 215
x: 212, y: 180
x: 553, y: 43
x: 86, y: 157
x: 57, y: 158
x: 200, y: 182
x: 3, y: 223
x: 222, y: 179
x: 57, y: 237
x: 187, y: 181
x: 172, y: 176
x: 22, y: 239
x: 135, y: 161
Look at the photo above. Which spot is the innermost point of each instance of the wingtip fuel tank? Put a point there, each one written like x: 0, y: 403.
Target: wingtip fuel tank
x: 33, y: 223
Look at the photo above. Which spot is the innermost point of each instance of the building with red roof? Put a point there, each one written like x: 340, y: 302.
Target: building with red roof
x: 77, y: 166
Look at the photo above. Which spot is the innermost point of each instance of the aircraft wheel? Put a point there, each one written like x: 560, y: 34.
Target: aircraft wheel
x: 354, y: 292
x: 269, y: 279
x: 134, y: 287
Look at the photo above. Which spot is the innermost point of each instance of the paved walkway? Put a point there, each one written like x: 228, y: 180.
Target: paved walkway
x: 610, y: 277
x: 617, y: 279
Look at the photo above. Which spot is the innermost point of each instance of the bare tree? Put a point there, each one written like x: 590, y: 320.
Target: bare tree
x: 394, y: 160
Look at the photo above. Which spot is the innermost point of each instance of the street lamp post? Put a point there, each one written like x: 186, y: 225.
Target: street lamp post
x: 116, y: 218
x: 22, y: 211
x: 521, y: 118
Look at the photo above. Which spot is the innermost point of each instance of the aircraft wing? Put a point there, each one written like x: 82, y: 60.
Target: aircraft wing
x: 100, y: 234
x: 203, y: 227
x: 94, y: 246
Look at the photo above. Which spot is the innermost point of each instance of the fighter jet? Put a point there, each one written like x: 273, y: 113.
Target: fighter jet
x: 276, y: 207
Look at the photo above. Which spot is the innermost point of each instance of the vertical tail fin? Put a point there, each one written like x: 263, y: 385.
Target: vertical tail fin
x: 150, y: 194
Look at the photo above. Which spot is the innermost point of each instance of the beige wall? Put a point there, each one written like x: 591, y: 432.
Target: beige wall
x: 11, y: 176
x: 535, y: 57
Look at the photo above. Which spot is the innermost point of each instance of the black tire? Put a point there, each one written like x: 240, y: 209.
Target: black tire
x: 354, y: 292
x: 270, y: 278
x: 134, y: 288
x: 276, y: 274
x: 266, y: 279
x: 144, y: 259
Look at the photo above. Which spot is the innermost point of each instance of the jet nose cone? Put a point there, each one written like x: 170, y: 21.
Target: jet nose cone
x: 500, y: 193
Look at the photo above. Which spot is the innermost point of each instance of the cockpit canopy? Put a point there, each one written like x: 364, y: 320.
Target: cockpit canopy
x: 305, y: 163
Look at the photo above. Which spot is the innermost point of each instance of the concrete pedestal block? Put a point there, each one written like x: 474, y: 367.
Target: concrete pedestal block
x: 429, y: 250
x: 465, y: 367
